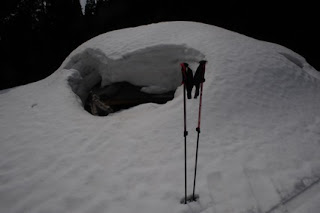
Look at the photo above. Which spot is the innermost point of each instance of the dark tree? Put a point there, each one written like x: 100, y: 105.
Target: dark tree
x: 35, y: 37
x: 90, y: 8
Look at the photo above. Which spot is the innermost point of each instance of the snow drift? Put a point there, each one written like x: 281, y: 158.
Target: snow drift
x: 259, y: 145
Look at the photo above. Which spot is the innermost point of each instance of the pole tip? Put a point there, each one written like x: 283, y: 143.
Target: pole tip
x: 189, y: 199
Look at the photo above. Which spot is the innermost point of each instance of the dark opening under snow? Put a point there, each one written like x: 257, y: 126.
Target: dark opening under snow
x: 151, y: 74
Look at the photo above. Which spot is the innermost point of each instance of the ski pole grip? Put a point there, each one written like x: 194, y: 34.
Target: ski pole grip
x: 185, y: 133
x: 198, y: 129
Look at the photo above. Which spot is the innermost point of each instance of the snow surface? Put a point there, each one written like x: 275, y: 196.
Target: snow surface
x: 259, y: 145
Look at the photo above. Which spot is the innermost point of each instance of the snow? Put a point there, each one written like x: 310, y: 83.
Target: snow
x: 259, y: 142
x: 83, y: 5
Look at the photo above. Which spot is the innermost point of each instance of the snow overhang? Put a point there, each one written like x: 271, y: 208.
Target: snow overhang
x: 156, y: 68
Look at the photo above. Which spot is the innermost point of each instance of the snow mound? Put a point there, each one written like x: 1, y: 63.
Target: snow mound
x: 259, y: 144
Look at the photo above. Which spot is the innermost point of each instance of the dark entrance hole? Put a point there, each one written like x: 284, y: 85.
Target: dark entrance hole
x: 119, y: 96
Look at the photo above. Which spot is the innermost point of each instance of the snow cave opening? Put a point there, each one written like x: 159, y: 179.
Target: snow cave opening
x: 109, y: 84
x: 119, y: 96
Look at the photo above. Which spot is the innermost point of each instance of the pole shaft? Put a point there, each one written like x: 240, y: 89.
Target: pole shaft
x: 195, y: 168
x: 185, y: 143
x: 198, y: 130
x: 200, y: 106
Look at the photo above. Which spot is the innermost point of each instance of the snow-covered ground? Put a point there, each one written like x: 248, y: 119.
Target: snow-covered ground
x: 259, y: 145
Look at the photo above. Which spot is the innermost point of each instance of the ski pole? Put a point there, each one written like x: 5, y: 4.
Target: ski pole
x: 198, y: 130
x: 202, y: 63
x: 185, y: 145
x: 185, y: 133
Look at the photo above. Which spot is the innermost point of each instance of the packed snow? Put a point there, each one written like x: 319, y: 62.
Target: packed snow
x: 259, y: 145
